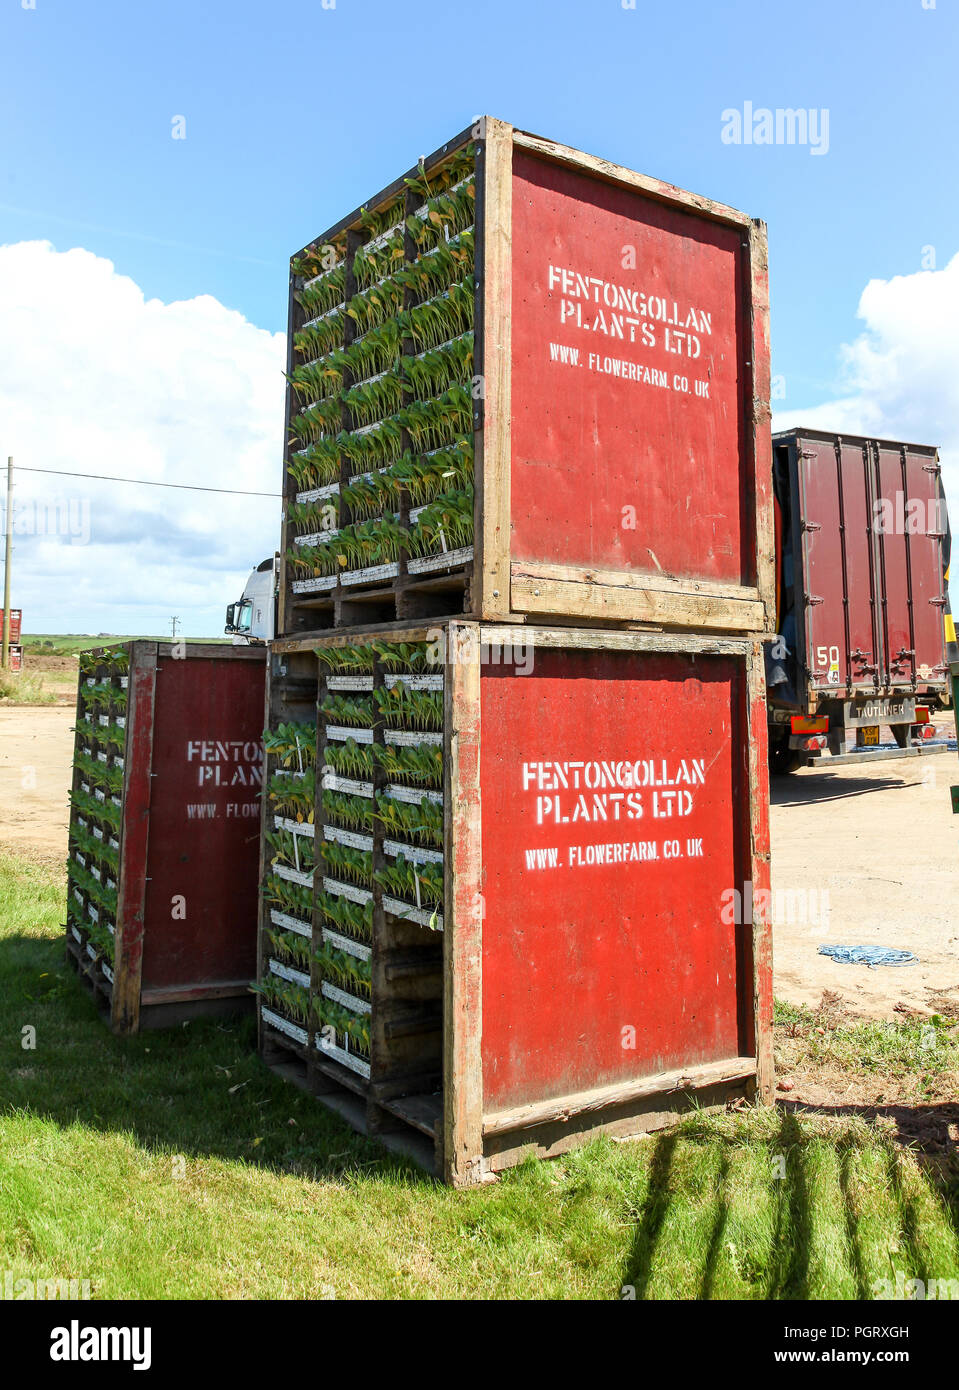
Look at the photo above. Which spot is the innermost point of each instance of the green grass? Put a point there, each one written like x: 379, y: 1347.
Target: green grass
x: 175, y: 1165
x: 69, y: 644
x: 23, y: 688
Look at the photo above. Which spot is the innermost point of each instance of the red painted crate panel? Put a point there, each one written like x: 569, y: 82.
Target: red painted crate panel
x: 585, y: 936
x: 630, y: 348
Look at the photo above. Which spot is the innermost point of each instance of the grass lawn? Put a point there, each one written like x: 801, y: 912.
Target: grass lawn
x: 175, y: 1165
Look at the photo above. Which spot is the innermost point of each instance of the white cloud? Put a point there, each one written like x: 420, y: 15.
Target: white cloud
x: 900, y: 378
x: 96, y: 379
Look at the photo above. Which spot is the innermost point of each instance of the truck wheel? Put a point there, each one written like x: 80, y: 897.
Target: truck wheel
x: 782, y: 758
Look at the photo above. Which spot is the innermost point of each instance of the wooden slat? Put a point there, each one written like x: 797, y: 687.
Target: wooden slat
x: 605, y: 1097
x: 761, y: 948
x: 462, y: 936
x: 760, y: 443
x: 134, y: 838
x: 622, y: 596
x: 499, y: 635
x: 642, y: 183
x: 493, y: 349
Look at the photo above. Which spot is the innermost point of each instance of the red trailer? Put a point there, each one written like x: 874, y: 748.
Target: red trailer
x: 862, y: 544
x: 164, y: 829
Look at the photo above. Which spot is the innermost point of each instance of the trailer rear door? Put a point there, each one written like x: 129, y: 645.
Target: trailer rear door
x: 910, y: 563
x: 871, y: 536
x: 842, y: 641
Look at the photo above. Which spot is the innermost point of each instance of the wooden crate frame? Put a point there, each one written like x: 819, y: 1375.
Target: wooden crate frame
x: 494, y: 585
x: 468, y: 1142
x: 123, y: 1002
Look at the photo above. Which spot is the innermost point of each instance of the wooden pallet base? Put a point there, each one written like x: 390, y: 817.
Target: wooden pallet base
x: 408, y: 1125
x: 403, y: 600
x: 161, y: 1009
x: 412, y: 1124
x: 622, y: 1121
x: 91, y: 977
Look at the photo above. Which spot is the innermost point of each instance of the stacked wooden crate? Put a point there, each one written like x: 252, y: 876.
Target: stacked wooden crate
x: 478, y: 954
x: 167, y: 773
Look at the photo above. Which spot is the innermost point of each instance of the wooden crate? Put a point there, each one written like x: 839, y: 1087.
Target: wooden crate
x: 164, y: 829
x: 591, y: 959
x: 608, y: 401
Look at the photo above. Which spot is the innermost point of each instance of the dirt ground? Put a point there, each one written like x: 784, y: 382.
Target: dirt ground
x: 860, y: 855
x: 872, y: 855
x: 36, y: 753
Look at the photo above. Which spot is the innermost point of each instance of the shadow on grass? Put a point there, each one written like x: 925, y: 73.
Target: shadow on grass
x: 787, y: 1275
x: 785, y: 1269
x: 197, y: 1090
x: 931, y: 1133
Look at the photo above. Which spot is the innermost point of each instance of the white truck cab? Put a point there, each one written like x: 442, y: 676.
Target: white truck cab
x: 252, y: 620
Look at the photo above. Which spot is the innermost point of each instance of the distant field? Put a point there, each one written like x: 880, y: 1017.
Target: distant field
x: 59, y: 644
x: 50, y: 668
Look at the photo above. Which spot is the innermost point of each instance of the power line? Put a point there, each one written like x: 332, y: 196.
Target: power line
x: 148, y: 482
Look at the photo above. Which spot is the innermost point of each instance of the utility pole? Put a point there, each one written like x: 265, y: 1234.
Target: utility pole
x: 173, y: 623
x: 7, y: 553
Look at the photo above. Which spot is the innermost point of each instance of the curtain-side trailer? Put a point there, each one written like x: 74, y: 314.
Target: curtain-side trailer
x: 862, y: 545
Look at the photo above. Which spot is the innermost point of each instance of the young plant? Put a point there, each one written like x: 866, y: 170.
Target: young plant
x: 321, y: 337
x: 436, y: 423
x: 405, y: 708
x: 341, y: 661
x: 439, y: 320
x: 294, y: 796
x: 345, y: 971
x: 292, y: 744
x: 432, y: 372
x: 342, y: 862
x: 420, y: 885
x: 286, y: 998
x: 322, y: 292
x: 446, y: 524
x: 419, y: 764
x: 318, y: 465
x: 444, y: 216
x: 348, y: 812
x: 354, y: 710
x: 404, y: 656
x: 296, y: 851
x: 403, y: 820
x: 320, y: 421
x: 292, y: 898
x: 350, y: 759
x: 351, y: 919
x: 377, y: 259
x: 290, y: 947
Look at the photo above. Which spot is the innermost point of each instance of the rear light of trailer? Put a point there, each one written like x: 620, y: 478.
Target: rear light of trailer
x: 808, y: 743
x: 921, y: 732
x: 922, y: 714
x: 809, y: 724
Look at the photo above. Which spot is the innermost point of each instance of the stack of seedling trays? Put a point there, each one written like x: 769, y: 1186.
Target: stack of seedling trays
x: 93, y: 866
x: 353, y: 882
x: 380, y: 401
x: 165, y: 809
x: 487, y: 854
x: 516, y: 701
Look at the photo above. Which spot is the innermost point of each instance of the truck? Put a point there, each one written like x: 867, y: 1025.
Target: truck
x: 251, y: 621
x: 862, y: 553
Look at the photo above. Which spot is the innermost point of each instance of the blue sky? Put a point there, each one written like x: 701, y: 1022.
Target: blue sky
x: 295, y: 113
